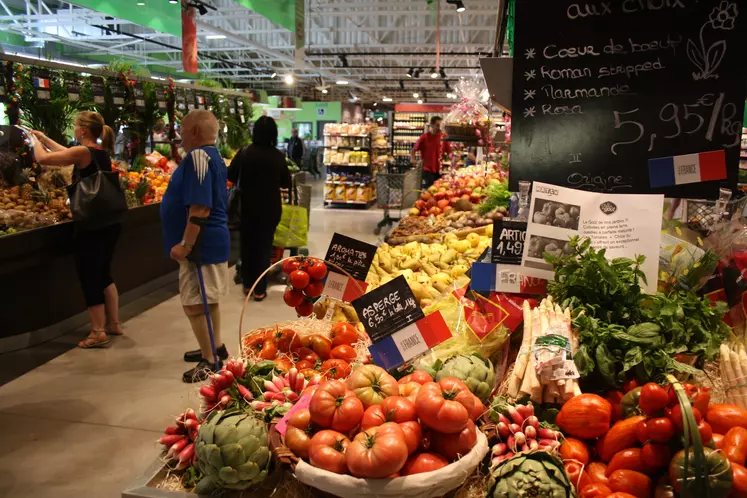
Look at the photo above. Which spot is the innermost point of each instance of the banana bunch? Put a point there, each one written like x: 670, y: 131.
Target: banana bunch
x: 430, y: 269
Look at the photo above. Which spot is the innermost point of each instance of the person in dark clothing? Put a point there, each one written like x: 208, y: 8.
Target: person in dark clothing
x: 295, y: 148
x: 260, y: 172
x: 93, y: 250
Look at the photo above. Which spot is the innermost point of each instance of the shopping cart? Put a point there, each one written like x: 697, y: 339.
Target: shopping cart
x: 398, y: 188
x: 704, y: 216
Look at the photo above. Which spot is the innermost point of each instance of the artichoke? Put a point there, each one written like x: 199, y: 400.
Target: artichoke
x: 475, y: 371
x: 231, y: 450
x: 534, y: 474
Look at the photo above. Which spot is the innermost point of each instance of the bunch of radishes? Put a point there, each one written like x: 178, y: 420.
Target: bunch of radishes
x: 180, y: 439
x: 519, y: 431
x: 286, y: 388
x: 223, y: 388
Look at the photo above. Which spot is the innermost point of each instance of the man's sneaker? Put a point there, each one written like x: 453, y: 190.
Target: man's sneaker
x: 196, y: 355
x: 200, y: 372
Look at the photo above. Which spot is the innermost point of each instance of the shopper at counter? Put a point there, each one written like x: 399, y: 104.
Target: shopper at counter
x: 195, y: 204
x: 93, y: 249
x: 260, y: 171
x: 432, y: 149
x: 296, y: 148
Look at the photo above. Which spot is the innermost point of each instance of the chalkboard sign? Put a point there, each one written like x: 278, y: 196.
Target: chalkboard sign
x: 43, y: 84
x: 161, y: 97
x: 629, y: 96
x: 353, y: 256
x: 72, y: 83
x: 139, y: 94
x: 97, y: 90
x: 118, y: 92
x: 387, y: 309
x: 508, y: 242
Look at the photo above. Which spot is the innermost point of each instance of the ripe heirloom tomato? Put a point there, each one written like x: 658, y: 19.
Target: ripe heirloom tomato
x: 335, y: 369
x: 282, y: 338
x: 283, y: 364
x: 392, y: 409
x: 336, y: 407
x: 269, y: 350
x: 445, y: 406
x: 343, y: 352
x: 676, y: 417
x: 317, y: 270
x: 478, y: 410
x: 292, y: 297
x: 630, y: 385
x: 377, y: 452
x: 303, y: 353
x: 452, y: 446
x: 309, y: 373
x: 371, y: 384
x: 413, y: 435
x: 641, y: 431
x: 409, y: 390
x: 255, y: 341
x: 574, y: 449
x: 320, y: 345
x: 327, y: 451
x: 299, y: 279
x: 343, y: 333
x: 299, y: 433
x: 418, y: 376
x: 423, y: 462
x: 290, y: 265
x: 734, y: 444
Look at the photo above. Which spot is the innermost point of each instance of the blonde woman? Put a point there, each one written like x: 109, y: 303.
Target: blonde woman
x: 93, y: 249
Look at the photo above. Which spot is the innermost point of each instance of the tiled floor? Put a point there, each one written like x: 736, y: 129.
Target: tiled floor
x: 85, y: 424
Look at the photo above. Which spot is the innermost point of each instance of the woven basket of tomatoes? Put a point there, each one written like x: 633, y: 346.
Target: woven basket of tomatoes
x: 373, y: 435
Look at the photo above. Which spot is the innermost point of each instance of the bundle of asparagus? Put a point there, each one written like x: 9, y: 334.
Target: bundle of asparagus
x: 542, y: 363
x: 733, y: 367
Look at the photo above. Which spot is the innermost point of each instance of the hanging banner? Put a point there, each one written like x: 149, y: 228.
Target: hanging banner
x: 42, y: 83
x: 118, y: 92
x: 97, y: 89
x: 72, y: 84
x: 161, y: 97
x: 189, y: 40
x: 139, y: 95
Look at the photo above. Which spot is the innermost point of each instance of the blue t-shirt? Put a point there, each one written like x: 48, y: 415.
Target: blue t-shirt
x: 200, y: 179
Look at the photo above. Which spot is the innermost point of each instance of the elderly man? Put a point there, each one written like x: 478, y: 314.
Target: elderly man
x: 195, y: 204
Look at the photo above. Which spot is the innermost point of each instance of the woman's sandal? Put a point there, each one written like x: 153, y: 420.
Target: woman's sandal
x: 96, y: 339
x: 114, y: 329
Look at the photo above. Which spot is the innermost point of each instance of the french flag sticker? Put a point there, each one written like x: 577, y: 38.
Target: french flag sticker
x: 343, y: 288
x: 689, y: 168
x: 41, y: 83
x: 411, y: 341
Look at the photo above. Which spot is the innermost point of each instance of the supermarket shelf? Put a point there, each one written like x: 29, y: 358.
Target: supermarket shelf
x: 356, y: 204
x: 333, y: 147
x: 352, y: 184
x: 408, y: 127
x: 344, y: 135
x: 343, y: 165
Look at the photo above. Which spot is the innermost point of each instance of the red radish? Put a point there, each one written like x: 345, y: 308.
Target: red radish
x: 173, y: 430
x: 176, y: 448
x: 208, y: 392
x: 261, y: 405
x: 237, y: 367
x: 502, y: 418
x: 292, y: 396
x: 228, y: 379
x: 525, y: 410
x: 190, y: 423
x: 548, y: 434
x: 187, y: 453
x: 520, y: 439
x: 533, y: 444
x: 169, y: 440
x: 511, y: 443
x: 530, y: 432
x: 499, y: 449
x: 269, y: 386
x: 190, y: 413
x: 532, y: 421
x: 193, y: 433
x: 245, y: 393
x: 515, y: 415
x: 514, y: 428
x: 502, y: 430
x: 525, y: 447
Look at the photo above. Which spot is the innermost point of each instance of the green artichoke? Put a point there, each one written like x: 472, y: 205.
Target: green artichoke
x: 232, y: 451
x: 534, y: 474
x: 475, y: 371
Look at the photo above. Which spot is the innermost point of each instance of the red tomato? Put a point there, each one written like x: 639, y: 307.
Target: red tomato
x: 327, y: 451
x: 335, y: 369
x: 423, y: 462
x: 298, y: 434
x: 445, y: 406
x: 724, y: 417
x: 595, y: 490
x: 283, y: 364
x: 577, y: 475
x: 336, y: 407
x: 392, y: 409
x: 308, y: 374
x: 641, y: 431
x: 653, y: 399
x: 598, y: 472
x: 478, y: 410
x: 585, y: 416
x: 320, y: 345
x: 255, y: 341
x: 615, y: 399
x: 343, y: 333
x: 630, y: 385
x: 574, y: 449
x: 409, y: 390
x: 632, y: 482
x: 656, y: 455
x: 418, y: 376
x: 317, y: 270
x: 452, y: 446
x: 629, y: 459
x: 706, y: 433
x: 413, y: 435
x: 739, y: 481
x: 621, y: 436
x: 699, y: 396
x: 371, y: 384
x: 735, y: 445
x: 303, y: 353
x: 343, y: 352
x: 269, y: 350
x: 305, y: 364
x: 314, y: 289
x: 660, y: 429
x: 378, y: 452
x: 292, y: 297
x: 299, y: 279
x: 676, y: 417
x: 290, y: 265
x: 718, y: 440
x: 282, y: 338
x: 306, y: 308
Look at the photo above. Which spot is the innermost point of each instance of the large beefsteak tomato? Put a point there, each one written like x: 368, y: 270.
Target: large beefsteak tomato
x: 335, y: 369
x: 418, y: 376
x: 585, y: 416
x: 327, y: 451
x: 452, y: 446
x: 371, y: 384
x: 423, y: 462
x: 392, y: 409
x: 445, y: 406
x: 343, y: 333
x: 409, y: 390
x: 298, y: 434
x: 413, y: 435
x: 377, y: 452
x: 335, y: 407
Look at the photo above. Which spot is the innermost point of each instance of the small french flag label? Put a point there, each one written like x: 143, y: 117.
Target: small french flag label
x: 41, y: 83
x: 410, y: 342
x: 343, y: 288
x: 504, y: 278
x: 688, y: 168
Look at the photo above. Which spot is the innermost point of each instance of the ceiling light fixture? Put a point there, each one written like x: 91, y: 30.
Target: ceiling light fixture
x: 442, y: 73
x: 141, y: 3
x: 420, y: 101
x: 324, y: 90
x: 215, y: 37
x: 415, y: 95
x: 343, y: 82
x: 288, y: 79
x: 173, y: 1
x: 409, y: 73
x: 273, y: 74
x: 386, y: 99
x: 458, y: 4
x: 434, y: 74
x: 375, y: 104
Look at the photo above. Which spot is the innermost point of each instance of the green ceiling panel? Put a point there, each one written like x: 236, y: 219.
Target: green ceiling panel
x: 282, y: 12
x: 155, y: 14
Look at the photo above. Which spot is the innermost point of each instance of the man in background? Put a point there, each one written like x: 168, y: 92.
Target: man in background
x: 295, y: 148
x: 432, y: 149
x: 195, y: 203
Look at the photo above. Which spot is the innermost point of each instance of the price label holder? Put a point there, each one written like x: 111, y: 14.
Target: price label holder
x: 161, y: 97
x: 508, y: 242
x: 396, y: 324
x: 302, y: 403
x: 353, y: 256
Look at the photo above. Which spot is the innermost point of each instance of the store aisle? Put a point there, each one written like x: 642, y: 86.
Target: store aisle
x: 86, y: 423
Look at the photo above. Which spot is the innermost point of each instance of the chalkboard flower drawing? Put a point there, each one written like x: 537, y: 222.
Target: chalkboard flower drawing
x: 708, y: 60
